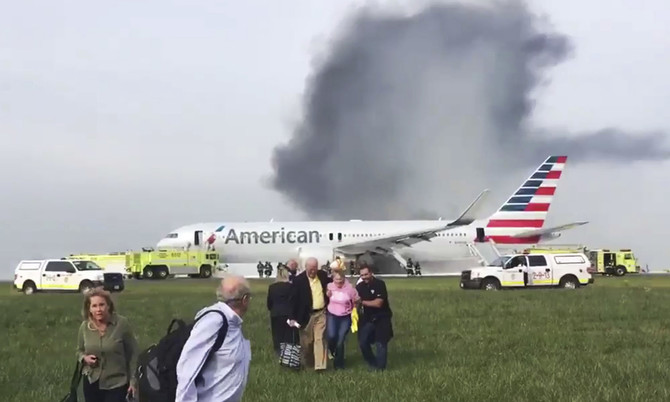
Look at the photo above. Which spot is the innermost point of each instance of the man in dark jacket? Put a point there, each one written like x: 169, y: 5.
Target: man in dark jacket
x: 309, y: 311
x: 374, y: 323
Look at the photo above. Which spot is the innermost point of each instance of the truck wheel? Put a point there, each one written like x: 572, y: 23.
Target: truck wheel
x: 205, y: 271
x: 149, y: 273
x: 620, y: 270
x: 29, y: 287
x: 569, y: 282
x: 85, y: 286
x: 162, y: 272
x: 490, y: 284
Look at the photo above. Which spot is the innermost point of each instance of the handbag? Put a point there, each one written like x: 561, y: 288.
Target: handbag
x: 289, y: 354
x: 74, y: 384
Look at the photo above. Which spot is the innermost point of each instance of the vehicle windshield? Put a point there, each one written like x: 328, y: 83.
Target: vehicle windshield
x: 87, y: 266
x: 500, y: 261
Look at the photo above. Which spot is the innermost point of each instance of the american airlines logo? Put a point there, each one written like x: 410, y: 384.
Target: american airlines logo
x: 281, y: 236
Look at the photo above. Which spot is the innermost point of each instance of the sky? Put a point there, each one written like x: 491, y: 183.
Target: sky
x: 121, y: 124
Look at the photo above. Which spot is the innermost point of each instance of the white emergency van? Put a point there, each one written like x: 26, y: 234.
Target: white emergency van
x: 63, y: 275
x: 566, y: 270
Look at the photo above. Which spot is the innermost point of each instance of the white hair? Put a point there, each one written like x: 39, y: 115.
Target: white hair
x: 232, y: 289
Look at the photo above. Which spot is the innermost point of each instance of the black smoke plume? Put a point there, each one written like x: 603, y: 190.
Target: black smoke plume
x: 409, y: 114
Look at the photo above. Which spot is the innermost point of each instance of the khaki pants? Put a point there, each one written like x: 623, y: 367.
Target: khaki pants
x: 312, y: 339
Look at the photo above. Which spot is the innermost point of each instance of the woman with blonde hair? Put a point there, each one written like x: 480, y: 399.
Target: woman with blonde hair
x: 108, y: 350
x: 279, y: 303
x: 343, y: 297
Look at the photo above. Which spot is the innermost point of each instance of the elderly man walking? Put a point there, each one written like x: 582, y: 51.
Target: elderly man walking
x: 309, y: 310
x: 224, y: 377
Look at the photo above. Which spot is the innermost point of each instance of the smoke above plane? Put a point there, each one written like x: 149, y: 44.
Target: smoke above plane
x: 405, y: 112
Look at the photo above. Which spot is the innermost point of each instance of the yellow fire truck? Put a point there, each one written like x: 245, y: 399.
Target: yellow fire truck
x: 614, y: 262
x: 604, y: 261
x: 162, y: 263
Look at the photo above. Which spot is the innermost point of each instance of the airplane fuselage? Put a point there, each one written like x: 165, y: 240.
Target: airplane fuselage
x: 250, y: 242
x: 518, y: 221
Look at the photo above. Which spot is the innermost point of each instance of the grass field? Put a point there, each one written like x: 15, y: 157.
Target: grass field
x: 606, y: 342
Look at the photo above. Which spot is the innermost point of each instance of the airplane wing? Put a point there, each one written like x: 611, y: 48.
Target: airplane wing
x: 408, y: 238
x: 545, y: 231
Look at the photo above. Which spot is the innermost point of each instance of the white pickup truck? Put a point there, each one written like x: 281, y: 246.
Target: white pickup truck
x: 566, y: 270
x: 63, y: 275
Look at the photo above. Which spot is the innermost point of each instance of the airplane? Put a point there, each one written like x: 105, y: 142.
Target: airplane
x: 519, y: 221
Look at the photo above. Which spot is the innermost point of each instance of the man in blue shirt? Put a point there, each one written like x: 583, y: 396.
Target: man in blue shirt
x: 225, y: 376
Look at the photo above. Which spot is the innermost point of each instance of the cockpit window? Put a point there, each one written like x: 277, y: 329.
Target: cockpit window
x: 172, y: 236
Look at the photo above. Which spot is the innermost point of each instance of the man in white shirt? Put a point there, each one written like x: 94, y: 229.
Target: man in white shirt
x: 224, y: 377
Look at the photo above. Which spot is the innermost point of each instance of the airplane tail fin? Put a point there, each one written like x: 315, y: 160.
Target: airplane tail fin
x: 527, y: 208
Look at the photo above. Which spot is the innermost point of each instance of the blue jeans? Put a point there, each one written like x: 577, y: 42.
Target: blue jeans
x: 337, y: 327
x: 366, y: 337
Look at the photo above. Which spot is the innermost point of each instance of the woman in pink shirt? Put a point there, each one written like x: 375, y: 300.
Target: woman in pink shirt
x: 342, y: 297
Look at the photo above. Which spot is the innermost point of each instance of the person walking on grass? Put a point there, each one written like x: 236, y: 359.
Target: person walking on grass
x: 107, y: 347
x: 342, y: 298
x: 280, y: 305
x: 224, y: 378
x: 309, y: 312
x: 374, y: 325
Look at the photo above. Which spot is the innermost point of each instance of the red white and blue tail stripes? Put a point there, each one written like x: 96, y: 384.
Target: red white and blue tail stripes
x: 528, y: 206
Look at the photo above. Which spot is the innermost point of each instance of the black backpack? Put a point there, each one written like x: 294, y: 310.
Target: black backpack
x: 157, y: 365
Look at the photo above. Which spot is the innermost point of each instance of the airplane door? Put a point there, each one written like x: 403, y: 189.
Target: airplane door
x: 481, y: 236
x: 197, y: 237
x: 513, y: 273
x: 539, y: 273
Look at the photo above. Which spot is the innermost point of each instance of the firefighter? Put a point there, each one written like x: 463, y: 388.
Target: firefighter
x: 259, y: 267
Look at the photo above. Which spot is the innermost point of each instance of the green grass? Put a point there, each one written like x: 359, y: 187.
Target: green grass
x: 605, y: 342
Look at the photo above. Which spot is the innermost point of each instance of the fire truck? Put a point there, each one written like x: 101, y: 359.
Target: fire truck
x: 163, y: 263
x: 604, y: 261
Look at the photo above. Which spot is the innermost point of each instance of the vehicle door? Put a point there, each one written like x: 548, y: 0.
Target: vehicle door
x: 71, y: 276
x: 53, y: 276
x: 629, y: 262
x: 539, y: 272
x: 513, y: 272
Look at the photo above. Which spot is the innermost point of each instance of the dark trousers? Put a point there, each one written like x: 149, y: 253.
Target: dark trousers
x: 337, y: 328
x: 281, y: 332
x: 366, y: 338
x: 94, y: 394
